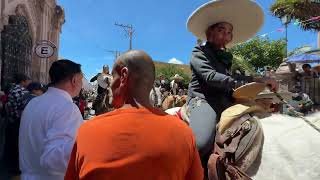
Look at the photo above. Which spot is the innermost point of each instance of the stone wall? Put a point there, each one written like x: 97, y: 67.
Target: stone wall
x: 45, y: 19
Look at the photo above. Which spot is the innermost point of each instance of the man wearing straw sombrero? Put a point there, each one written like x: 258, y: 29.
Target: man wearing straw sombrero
x: 174, y: 83
x: 222, y: 24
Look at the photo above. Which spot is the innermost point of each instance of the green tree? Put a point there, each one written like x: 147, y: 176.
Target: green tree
x: 301, y: 10
x: 261, y: 52
x: 243, y: 66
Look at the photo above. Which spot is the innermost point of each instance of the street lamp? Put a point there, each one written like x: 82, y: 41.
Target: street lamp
x: 285, y: 21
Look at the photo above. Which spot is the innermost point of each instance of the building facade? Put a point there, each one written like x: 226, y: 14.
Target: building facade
x: 23, y: 24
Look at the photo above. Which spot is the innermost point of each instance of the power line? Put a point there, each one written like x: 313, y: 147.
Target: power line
x: 129, y: 32
x: 115, y: 53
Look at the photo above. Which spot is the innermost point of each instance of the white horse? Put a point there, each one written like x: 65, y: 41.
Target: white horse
x: 290, y: 148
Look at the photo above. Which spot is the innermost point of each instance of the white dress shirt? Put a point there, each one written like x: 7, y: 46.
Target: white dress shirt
x: 47, y: 134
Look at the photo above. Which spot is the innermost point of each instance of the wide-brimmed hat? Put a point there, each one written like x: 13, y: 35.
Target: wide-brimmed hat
x: 249, y: 91
x: 177, y: 77
x: 255, y: 91
x: 160, y: 75
x: 246, y: 17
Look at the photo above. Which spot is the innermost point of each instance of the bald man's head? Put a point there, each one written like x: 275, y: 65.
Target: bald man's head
x: 141, y: 69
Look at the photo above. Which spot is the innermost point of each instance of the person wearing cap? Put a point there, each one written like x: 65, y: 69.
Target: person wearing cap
x: 35, y: 89
x: 49, y: 123
x: 222, y: 26
x: 14, y: 110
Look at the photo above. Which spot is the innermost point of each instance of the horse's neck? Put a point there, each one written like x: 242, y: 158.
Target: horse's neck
x: 168, y: 102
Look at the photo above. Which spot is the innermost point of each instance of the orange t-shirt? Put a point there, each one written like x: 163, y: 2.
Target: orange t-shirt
x: 134, y: 144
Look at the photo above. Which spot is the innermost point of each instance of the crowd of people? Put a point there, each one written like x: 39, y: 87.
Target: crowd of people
x: 13, y: 101
x: 171, y: 86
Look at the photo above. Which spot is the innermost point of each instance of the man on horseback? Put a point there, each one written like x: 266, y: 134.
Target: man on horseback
x: 102, y: 102
x: 221, y: 26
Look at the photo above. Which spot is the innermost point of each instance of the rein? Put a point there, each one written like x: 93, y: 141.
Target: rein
x: 297, y: 113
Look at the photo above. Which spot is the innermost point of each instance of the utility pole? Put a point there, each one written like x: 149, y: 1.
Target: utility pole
x: 129, y: 32
x: 115, y: 53
x: 285, y: 21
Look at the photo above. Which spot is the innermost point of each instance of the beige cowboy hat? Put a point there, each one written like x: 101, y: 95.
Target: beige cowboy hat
x: 255, y: 91
x: 246, y: 17
x: 249, y: 91
x: 232, y: 113
x: 160, y: 75
x: 176, y: 77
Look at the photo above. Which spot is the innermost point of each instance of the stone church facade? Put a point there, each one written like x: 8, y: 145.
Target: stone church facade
x: 23, y: 24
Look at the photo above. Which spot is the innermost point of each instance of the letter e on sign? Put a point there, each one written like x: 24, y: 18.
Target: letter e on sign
x: 45, y: 49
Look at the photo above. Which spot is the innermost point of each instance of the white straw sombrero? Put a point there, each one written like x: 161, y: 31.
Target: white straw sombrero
x: 248, y: 91
x: 246, y: 17
x: 177, y: 77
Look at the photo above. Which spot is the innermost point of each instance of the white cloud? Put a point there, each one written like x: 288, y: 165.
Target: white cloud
x: 175, y: 61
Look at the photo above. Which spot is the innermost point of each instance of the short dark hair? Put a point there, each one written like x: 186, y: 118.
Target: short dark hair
x: 62, y: 70
x: 35, y: 86
x: 306, y: 65
x: 19, y: 77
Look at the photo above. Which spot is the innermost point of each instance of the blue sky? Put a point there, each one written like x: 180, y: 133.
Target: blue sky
x: 160, y: 30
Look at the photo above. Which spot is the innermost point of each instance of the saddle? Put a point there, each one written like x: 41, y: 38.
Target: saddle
x: 238, y: 141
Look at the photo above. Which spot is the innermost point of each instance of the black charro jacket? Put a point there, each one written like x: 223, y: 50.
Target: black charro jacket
x: 211, y: 77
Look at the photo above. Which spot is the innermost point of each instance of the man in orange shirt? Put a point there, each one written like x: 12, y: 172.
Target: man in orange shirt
x: 135, y: 141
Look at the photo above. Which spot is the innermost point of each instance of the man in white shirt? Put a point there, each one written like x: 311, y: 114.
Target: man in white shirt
x: 49, y: 124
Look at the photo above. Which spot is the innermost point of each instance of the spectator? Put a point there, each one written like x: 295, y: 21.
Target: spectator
x: 316, y: 69
x: 49, y: 124
x: 136, y: 141
x: 35, y: 89
x: 308, y: 72
x: 80, y: 102
x: 14, y: 109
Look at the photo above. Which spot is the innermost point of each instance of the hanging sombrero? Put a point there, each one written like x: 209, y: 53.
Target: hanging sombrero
x: 160, y: 75
x: 249, y: 91
x: 246, y: 17
x: 254, y: 91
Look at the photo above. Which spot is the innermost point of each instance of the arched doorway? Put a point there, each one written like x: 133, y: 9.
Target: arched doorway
x: 16, y: 47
